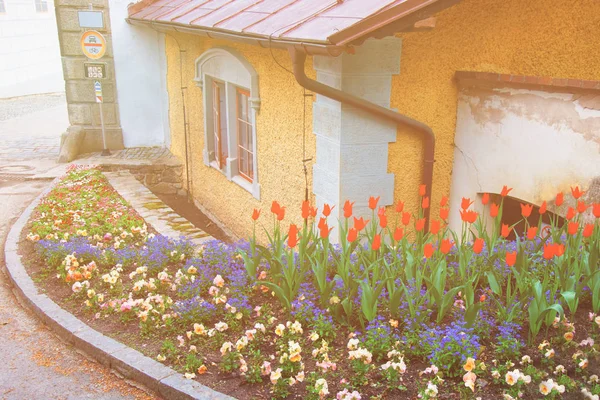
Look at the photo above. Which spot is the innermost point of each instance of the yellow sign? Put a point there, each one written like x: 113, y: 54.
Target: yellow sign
x: 93, y: 44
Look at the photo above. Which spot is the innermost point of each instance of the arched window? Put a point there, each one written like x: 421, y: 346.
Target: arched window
x: 230, y: 90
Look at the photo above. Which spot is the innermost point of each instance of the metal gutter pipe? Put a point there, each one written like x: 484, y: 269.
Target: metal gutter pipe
x: 298, y: 60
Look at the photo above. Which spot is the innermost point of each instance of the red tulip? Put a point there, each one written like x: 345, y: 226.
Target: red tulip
x: 313, y: 212
x: 570, y: 213
x: 596, y: 210
x: 352, y: 235
x: 275, y: 208
x: 422, y: 190
x: 511, y: 258
x: 581, y: 207
x: 573, y: 228
x: 428, y: 250
x: 293, y: 236
x: 322, y: 221
x: 398, y: 234
x: 505, y: 191
x: 382, y: 218
x: 360, y: 223
x: 444, y: 213
x: 435, y: 227
x: 505, y: 231
x: 466, y: 203
x: 425, y: 203
x: 526, y: 210
x: 376, y: 243
x: 549, y: 251
x: 405, y: 218
x: 485, y: 198
x: 255, y: 214
x: 399, y: 206
x: 373, y: 202
x: 588, y: 230
x: 446, y: 246
x: 553, y: 250
x: 542, y: 209
x: 324, y: 230
x: 327, y: 209
x: 281, y: 214
x: 348, y: 209
x: 305, y: 209
x: 478, y: 245
x: 576, y: 192
x: 469, y: 216
x: 532, y: 232
x: 494, y: 209
x: 444, y: 201
x: 560, y: 198
x: 420, y: 224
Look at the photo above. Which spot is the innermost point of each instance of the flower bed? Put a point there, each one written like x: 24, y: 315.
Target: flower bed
x: 379, y: 315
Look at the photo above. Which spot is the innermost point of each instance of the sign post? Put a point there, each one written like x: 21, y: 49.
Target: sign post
x: 93, y: 46
x: 98, y: 92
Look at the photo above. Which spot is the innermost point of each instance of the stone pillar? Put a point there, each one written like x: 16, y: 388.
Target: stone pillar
x: 352, y: 145
x: 81, y: 101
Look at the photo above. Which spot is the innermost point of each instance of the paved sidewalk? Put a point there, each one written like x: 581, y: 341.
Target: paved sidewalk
x: 162, y: 217
x: 30, y: 126
x: 34, y: 364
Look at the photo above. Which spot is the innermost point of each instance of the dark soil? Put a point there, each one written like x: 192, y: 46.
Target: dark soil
x: 189, y: 211
x: 129, y: 333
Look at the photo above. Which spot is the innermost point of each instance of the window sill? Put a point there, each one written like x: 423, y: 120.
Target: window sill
x: 251, y: 187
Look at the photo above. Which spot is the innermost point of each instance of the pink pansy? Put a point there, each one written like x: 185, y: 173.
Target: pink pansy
x: 265, y: 368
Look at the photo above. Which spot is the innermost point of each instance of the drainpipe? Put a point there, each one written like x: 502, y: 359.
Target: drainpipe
x: 298, y: 59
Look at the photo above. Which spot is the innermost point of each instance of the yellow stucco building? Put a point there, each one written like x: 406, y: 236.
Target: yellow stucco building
x: 234, y: 85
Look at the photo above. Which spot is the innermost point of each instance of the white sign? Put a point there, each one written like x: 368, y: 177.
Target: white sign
x: 91, y: 19
x: 98, y: 91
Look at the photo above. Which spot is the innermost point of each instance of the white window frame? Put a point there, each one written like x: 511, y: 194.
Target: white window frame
x: 41, y: 6
x: 230, y: 68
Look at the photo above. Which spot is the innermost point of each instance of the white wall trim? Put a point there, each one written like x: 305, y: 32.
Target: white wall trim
x: 229, y: 66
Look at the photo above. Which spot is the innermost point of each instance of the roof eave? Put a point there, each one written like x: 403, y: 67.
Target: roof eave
x: 312, y: 47
x: 400, y: 17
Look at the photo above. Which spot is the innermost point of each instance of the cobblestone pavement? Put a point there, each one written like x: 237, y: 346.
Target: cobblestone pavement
x: 34, y: 364
x: 30, y: 126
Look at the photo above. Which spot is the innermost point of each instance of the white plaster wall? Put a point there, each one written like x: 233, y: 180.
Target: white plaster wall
x: 29, y: 50
x: 140, y: 65
x: 536, y: 142
x: 352, y: 144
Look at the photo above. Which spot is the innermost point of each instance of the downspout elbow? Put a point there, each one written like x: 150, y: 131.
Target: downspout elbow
x: 298, y: 61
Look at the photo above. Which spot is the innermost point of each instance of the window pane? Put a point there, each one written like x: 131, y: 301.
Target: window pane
x: 243, y: 135
x: 219, y: 123
x: 223, y: 118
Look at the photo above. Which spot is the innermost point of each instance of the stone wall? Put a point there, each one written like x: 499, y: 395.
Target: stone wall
x: 160, y: 178
x: 82, y: 107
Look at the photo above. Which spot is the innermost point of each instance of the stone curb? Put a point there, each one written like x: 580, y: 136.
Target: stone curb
x: 130, y: 363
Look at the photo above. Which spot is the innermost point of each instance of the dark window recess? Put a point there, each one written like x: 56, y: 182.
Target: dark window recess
x: 512, y: 215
